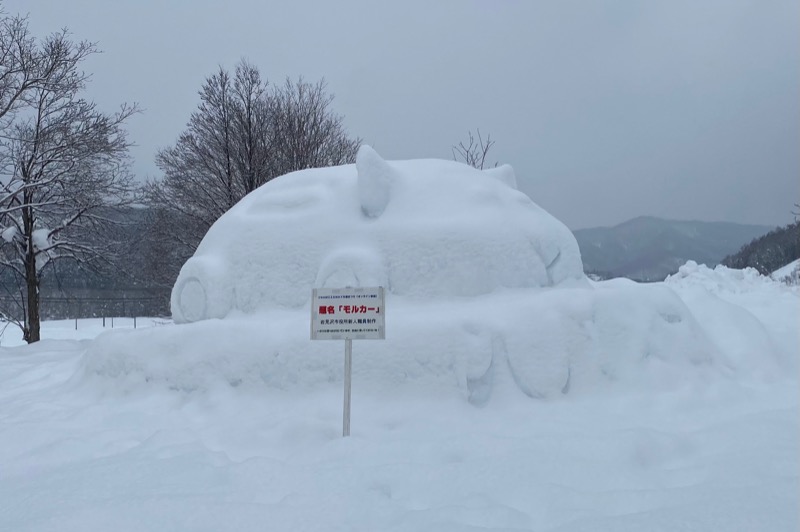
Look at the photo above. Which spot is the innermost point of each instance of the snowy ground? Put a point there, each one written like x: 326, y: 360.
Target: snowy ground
x: 84, y: 329
x: 790, y: 274
x: 718, y: 453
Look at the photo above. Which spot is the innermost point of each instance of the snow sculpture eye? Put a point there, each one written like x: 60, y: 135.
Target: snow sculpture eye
x: 293, y: 201
x: 352, y: 266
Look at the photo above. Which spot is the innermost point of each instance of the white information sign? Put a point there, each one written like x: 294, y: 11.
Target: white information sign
x: 347, y: 314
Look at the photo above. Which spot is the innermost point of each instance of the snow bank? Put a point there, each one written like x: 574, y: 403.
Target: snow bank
x: 738, y: 311
x: 425, y: 229
x: 719, y: 279
x: 789, y: 274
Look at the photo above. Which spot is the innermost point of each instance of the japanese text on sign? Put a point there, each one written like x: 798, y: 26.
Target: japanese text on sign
x: 342, y: 313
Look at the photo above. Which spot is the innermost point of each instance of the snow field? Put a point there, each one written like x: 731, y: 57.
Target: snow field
x: 76, y: 457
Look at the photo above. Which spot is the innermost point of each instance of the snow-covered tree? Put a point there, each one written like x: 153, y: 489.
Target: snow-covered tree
x: 63, y: 167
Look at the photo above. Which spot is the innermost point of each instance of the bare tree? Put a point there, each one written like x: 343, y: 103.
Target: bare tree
x: 474, y: 152
x: 20, y: 67
x: 305, y: 132
x: 63, y: 169
x: 241, y: 136
x: 252, y: 127
x: 220, y: 157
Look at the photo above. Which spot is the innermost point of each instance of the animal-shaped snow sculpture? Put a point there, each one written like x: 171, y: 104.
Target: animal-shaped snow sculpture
x: 425, y: 229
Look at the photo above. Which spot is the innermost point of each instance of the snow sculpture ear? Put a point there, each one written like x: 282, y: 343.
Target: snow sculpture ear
x: 505, y: 174
x: 374, y: 181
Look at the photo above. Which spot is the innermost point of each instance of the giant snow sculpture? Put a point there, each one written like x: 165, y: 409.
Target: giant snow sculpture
x: 423, y: 229
x: 486, y: 292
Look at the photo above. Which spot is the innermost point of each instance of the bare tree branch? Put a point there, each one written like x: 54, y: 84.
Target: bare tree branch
x: 474, y: 152
x: 242, y: 135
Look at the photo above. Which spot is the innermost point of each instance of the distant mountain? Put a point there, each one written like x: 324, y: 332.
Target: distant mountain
x: 649, y: 249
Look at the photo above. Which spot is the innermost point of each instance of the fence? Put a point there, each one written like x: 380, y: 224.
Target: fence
x: 62, y: 307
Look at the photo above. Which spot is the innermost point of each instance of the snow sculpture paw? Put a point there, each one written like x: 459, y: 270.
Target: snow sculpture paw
x: 202, y: 290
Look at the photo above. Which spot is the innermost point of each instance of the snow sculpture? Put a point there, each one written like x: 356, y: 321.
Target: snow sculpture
x: 487, y: 294
x: 426, y: 229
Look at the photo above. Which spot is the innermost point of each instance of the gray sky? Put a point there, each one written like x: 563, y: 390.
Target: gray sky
x: 606, y: 109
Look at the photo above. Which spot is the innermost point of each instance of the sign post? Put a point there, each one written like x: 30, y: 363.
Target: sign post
x: 348, y: 314
x: 348, y: 372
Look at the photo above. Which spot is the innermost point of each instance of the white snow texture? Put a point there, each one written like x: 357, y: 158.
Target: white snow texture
x: 484, y: 288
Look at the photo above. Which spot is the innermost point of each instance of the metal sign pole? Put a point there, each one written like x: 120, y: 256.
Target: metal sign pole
x: 348, y: 370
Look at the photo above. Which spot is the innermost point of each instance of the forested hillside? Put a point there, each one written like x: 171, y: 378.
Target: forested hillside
x: 769, y: 252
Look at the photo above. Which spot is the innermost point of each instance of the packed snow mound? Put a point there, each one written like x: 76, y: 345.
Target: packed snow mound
x: 427, y: 229
x: 720, y: 279
x: 736, y: 308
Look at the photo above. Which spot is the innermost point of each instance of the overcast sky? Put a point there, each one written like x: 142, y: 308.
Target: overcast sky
x: 607, y: 110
